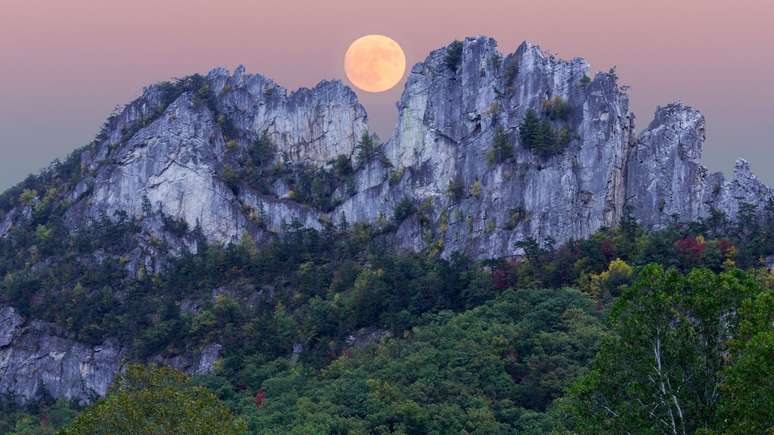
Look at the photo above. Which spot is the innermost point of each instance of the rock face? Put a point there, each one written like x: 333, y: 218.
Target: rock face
x: 448, y: 118
x: 172, y: 155
x: 665, y: 180
x: 475, y: 183
x: 37, y: 359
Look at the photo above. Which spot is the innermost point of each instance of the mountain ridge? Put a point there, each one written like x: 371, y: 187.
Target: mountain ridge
x: 490, y: 150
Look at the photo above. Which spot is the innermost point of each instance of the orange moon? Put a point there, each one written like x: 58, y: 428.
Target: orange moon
x: 374, y: 63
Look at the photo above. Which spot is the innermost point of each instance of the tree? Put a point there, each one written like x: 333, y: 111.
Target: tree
x: 748, y: 387
x: 492, y: 369
x: 453, y: 55
x: 368, y: 149
x: 660, y: 370
x: 539, y: 136
x: 158, y: 401
x: 501, y: 150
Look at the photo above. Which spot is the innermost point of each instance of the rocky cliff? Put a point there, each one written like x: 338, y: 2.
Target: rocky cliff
x: 179, y: 151
x: 489, y: 149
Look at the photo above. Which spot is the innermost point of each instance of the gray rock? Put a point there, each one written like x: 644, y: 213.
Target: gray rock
x: 666, y: 180
x: 37, y: 358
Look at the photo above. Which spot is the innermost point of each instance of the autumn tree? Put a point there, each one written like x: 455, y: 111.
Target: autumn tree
x: 158, y: 401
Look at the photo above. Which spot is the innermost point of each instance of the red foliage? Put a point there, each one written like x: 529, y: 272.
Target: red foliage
x: 606, y: 246
x: 725, y: 246
x: 503, y: 278
x: 690, y: 247
x: 259, y: 397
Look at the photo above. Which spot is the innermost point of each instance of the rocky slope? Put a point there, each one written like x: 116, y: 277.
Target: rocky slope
x: 227, y: 154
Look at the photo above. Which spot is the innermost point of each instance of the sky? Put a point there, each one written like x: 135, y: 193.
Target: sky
x: 65, y: 64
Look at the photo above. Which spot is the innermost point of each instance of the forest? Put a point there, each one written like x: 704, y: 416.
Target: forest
x: 332, y: 331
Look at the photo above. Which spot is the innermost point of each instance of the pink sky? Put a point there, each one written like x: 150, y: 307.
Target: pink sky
x: 64, y: 64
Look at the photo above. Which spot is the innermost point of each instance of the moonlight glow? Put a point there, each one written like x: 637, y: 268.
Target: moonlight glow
x: 374, y: 63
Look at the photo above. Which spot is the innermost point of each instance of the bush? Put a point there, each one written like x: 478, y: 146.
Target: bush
x: 368, y: 149
x: 403, y: 209
x: 516, y: 216
x: 231, y: 178
x: 539, y: 136
x: 501, y: 150
x: 556, y: 109
x: 475, y: 189
x: 456, y: 188
x: 342, y: 166
x: 511, y: 71
x: 261, y: 151
x: 453, y: 55
x: 150, y: 400
x: 231, y: 146
x: 177, y: 227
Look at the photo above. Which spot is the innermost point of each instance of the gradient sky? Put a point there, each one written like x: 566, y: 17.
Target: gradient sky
x: 64, y: 64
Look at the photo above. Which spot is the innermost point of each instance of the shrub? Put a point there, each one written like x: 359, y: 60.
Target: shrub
x: 490, y: 226
x: 403, y: 209
x: 175, y: 226
x: 540, y: 137
x: 261, y: 151
x: 342, y: 166
x: 511, y: 71
x: 231, y: 145
x: 585, y: 80
x: 396, y: 176
x: 556, y: 109
x: 456, y: 188
x: 501, y: 150
x: 475, y: 189
x: 368, y: 149
x: 516, y: 216
x: 453, y: 55
x: 231, y: 178
x: 27, y: 196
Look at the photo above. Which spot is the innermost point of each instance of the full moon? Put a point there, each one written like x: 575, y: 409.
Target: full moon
x: 374, y: 63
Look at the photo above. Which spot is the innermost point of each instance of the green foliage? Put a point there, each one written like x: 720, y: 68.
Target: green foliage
x: 585, y: 80
x: 516, y: 216
x: 175, y: 226
x: 456, y: 189
x: 556, y: 109
x: 453, y: 55
x: 748, y: 383
x: 662, y: 368
x: 342, y: 166
x: 231, y: 178
x: 369, y: 149
x: 159, y: 401
x: 475, y: 189
x: 511, y: 71
x: 41, y: 418
x: 403, y: 209
x: 541, y: 137
x: 502, y: 148
x: 251, y: 166
x: 317, y: 186
x: 493, y: 369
